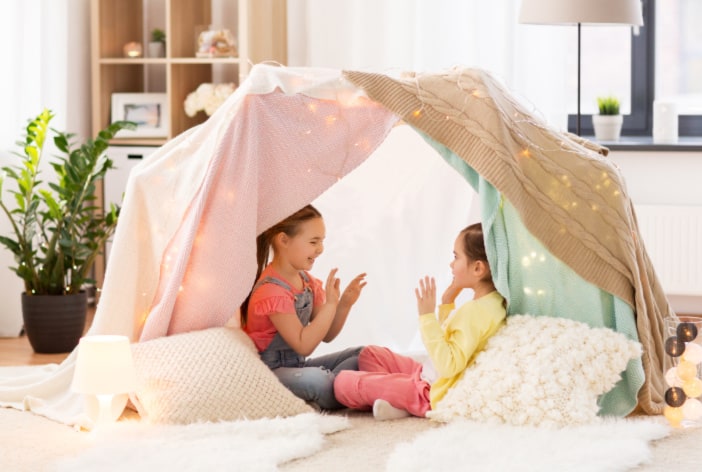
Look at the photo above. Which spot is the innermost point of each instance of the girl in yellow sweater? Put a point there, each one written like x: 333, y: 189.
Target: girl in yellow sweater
x: 395, y: 386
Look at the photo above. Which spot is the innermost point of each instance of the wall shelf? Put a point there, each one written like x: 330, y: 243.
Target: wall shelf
x: 259, y: 28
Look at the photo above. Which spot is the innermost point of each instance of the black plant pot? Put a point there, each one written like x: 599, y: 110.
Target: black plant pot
x: 54, y: 323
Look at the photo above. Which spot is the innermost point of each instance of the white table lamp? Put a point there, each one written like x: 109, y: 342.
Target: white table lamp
x: 105, y: 374
x: 579, y: 12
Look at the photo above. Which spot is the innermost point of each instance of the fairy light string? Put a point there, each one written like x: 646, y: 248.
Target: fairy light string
x: 600, y: 192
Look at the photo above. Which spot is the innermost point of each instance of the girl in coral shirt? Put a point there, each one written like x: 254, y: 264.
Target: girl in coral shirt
x: 289, y: 312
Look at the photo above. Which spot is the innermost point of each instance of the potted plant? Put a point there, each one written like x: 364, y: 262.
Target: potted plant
x: 608, y: 124
x: 56, y: 230
x: 157, y: 45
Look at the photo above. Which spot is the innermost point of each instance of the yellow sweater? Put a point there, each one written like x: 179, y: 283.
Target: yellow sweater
x: 453, y: 340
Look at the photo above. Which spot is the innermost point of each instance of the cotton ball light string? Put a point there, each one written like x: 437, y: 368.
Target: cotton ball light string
x: 692, y: 409
x: 687, y: 332
x: 674, y: 346
x: 683, y: 381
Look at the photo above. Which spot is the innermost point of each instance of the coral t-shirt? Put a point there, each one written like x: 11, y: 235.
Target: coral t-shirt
x: 270, y: 298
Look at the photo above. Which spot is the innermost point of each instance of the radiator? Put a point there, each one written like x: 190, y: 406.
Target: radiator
x: 673, y: 239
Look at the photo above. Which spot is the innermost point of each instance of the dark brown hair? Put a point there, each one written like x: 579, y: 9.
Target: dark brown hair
x: 289, y: 226
x: 474, y: 244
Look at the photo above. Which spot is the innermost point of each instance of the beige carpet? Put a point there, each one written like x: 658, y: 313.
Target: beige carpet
x: 32, y: 443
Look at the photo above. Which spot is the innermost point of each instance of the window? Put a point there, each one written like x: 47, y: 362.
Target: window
x: 666, y: 64
x: 678, y: 57
x: 632, y: 49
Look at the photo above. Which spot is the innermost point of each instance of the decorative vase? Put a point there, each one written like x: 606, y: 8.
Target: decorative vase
x: 607, y: 127
x: 54, y: 323
x: 157, y: 49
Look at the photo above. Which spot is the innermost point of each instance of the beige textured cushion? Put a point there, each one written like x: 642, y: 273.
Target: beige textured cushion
x: 539, y: 371
x: 209, y: 375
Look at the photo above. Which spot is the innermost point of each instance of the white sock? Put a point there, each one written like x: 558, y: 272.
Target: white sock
x: 383, y: 410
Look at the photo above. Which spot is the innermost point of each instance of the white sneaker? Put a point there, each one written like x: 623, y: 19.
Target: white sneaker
x: 383, y: 410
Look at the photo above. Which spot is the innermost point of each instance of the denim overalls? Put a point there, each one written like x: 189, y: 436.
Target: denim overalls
x: 310, y: 379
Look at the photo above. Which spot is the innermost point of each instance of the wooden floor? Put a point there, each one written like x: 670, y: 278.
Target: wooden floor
x: 18, y: 351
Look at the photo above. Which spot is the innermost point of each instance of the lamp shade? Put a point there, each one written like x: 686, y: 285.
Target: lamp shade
x: 568, y: 12
x: 104, y: 366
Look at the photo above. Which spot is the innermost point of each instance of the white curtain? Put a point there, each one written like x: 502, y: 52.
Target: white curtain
x: 397, y: 216
x: 431, y: 35
x: 46, y: 64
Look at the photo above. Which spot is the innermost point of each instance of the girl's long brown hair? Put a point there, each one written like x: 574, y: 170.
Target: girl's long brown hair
x: 289, y: 226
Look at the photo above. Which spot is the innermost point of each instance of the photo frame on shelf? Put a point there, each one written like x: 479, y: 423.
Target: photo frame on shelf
x: 148, y: 110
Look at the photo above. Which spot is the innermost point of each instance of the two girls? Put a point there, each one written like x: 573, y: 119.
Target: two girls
x: 289, y: 312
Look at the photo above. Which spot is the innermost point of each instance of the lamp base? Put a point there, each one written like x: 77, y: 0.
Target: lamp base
x: 105, y: 409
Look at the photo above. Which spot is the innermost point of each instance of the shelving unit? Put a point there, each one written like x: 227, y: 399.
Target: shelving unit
x: 259, y: 27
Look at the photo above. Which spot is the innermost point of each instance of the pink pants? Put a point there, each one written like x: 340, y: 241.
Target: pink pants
x: 383, y: 374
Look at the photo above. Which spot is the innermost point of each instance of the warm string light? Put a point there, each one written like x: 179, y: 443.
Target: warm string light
x: 683, y: 381
x: 334, y: 120
x: 143, y: 318
x: 529, y: 261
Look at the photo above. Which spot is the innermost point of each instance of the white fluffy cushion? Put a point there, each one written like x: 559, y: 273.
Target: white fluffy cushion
x: 209, y: 375
x: 539, y: 371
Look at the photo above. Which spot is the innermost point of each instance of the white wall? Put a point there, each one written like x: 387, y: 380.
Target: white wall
x: 664, y: 178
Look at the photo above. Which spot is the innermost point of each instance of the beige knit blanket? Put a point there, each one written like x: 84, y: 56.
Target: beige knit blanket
x: 568, y: 194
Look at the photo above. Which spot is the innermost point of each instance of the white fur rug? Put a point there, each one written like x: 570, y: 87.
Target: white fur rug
x: 609, y: 446
x: 303, y: 444
x: 259, y: 445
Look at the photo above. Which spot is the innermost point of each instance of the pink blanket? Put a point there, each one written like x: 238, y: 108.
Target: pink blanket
x: 271, y: 161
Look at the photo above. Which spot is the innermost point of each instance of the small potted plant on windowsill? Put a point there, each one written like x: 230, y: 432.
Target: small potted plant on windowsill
x: 608, y: 124
x: 56, y: 230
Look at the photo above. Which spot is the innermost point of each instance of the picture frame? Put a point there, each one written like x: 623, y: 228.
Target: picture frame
x: 148, y: 110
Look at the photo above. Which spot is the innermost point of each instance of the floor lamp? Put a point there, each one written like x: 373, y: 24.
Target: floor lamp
x: 580, y: 12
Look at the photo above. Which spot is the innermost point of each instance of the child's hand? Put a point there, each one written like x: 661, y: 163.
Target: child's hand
x: 426, y: 295
x: 353, y: 290
x: 451, y: 293
x: 331, y: 288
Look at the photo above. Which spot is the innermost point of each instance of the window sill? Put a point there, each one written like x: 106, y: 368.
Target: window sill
x: 645, y: 143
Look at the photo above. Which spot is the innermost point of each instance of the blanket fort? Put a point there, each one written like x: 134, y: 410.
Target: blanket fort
x: 560, y: 228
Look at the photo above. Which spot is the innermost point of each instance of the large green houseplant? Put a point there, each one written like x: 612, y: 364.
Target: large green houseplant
x: 57, y: 231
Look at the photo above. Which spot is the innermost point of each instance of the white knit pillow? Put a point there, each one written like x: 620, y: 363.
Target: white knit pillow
x: 208, y: 375
x: 539, y: 371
